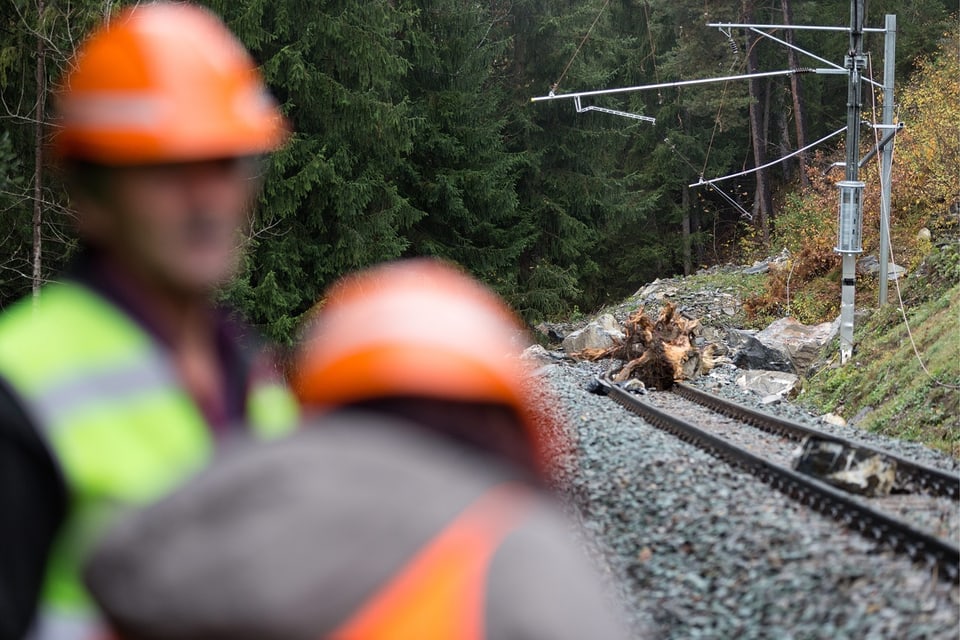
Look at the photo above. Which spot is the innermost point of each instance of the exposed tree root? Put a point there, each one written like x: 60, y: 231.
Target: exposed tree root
x: 658, y: 353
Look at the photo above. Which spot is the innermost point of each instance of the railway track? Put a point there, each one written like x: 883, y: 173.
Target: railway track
x: 911, y: 477
x: 884, y: 520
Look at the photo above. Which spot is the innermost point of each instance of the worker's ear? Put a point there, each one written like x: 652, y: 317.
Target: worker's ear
x: 87, y: 185
x: 92, y: 219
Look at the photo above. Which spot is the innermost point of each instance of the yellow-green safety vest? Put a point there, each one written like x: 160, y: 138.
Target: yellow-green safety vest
x: 121, y: 426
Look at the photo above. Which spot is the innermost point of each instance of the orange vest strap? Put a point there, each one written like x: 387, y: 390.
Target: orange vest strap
x: 439, y: 594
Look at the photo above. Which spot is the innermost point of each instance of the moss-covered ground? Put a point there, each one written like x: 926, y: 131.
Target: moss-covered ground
x: 904, y: 382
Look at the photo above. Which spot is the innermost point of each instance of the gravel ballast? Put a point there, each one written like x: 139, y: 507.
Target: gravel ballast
x: 695, y: 548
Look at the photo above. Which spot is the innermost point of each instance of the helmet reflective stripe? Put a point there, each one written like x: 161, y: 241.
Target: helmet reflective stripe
x: 419, y: 328
x: 399, y: 326
x: 112, y: 111
x: 164, y: 82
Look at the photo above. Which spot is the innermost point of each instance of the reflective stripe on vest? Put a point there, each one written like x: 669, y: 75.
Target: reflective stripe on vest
x: 118, y: 421
x: 441, y: 593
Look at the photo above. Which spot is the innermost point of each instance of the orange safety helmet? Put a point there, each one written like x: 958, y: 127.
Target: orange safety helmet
x: 419, y: 328
x: 164, y: 82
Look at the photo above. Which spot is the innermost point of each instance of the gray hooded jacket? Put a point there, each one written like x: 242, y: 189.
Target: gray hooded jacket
x: 287, y: 540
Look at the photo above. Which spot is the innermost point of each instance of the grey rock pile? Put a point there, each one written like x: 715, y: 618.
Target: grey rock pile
x: 695, y: 548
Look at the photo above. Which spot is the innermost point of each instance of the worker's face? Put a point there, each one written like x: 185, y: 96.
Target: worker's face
x: 180, y: 226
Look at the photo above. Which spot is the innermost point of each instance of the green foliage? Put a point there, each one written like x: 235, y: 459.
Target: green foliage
x: 458, y: 173
x: 548, y: 286
x: 22, y: 30
x: 908, y: 381
x: 414, y: 134
x: 920, y: 26
x: 14, y: 255
x: 331, y: 202
x: 805, y: 224
x: 927, y: 170
x: 910, y: 396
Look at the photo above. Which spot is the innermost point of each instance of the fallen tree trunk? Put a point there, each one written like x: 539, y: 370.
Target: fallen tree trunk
x: 658, y: 353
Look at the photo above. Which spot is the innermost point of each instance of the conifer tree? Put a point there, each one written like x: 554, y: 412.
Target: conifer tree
x: 37, y: 39
x: 331, y: 202
x: 458, y: 173
x: 569, y: 183
x: 414, y: 134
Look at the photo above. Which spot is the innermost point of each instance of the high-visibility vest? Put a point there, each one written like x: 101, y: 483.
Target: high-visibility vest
x: 441, y: 593
x: 118, y: 421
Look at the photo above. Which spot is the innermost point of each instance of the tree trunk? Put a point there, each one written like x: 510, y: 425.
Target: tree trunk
x: 785, y: 146
x: 757, y: 133
x: 41, y: 77
x: 792, y: 59
x: 765, y: 194
x: 696, y: 242
x: 685, y: 226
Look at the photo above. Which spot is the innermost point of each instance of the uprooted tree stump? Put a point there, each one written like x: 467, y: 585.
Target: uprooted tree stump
x: 658, y: 353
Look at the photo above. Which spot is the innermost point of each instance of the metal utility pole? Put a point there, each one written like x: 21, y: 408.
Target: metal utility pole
x: 886, y: 162
x: 851, y: 188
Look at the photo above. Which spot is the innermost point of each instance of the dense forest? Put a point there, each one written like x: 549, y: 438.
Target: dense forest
x: 415, y: 134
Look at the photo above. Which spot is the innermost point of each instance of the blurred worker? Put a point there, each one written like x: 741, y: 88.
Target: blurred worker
x: 411, y: 507
x: 118, y: 381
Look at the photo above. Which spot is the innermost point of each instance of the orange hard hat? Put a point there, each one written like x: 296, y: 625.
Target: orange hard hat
x: 164, y: 82
x: 419, y: 328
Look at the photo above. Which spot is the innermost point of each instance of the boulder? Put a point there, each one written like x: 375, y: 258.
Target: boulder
x: 598, y: 334
x: 895, y: 271
x: 609, y: 324
x: 656, y: 290
x: 847, y: 466
x: 536, y: 352
x: 552, y: 332
x: 834, y: 419
x: 763, y: 266
x: 871, y: 264
x: 868, y: 264
x: 750, y: 353
x: 769, y: 384
x: 801, y: 343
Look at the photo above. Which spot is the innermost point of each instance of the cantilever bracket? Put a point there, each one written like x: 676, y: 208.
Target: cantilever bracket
x: 625, y: 114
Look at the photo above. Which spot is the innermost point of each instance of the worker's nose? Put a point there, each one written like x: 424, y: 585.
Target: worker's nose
x: 208, y: 181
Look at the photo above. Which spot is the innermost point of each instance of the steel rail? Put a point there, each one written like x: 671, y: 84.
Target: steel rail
x: 932, y: 481
x: 918, y: 545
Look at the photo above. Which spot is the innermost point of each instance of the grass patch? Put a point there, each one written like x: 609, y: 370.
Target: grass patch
x: 906, y: 399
